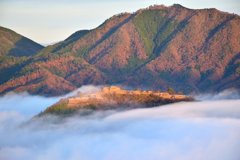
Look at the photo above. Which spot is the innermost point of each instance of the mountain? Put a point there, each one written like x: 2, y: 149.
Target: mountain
x: 47, y: 44
x: 156, y: 48
x: 13, y: 44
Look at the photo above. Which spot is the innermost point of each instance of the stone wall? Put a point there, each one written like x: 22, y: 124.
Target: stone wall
x: 179, y: 96
x: 77, y: 100
x: 118, y: 90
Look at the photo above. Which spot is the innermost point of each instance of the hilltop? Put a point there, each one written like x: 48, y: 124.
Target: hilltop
x: 14, y: 44
x: 113, y: 98
x: 157, y: 47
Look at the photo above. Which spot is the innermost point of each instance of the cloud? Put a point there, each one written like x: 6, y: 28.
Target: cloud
x: 29, y: 105
x: 205, y: 130
x: 226, y: 94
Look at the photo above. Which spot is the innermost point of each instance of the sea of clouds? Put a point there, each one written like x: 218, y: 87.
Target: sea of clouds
x: 206, y: 130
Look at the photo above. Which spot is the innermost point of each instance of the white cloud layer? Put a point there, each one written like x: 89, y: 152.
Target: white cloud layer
x: 226, y: 94
x: 29, y: 105
x: 207, y: 130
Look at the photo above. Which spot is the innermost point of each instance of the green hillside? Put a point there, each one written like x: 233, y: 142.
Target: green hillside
x: 13, y: 44
x: 156, y: 48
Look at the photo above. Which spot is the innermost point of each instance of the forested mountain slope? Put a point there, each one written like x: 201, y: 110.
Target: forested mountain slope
x: 158, y: 47
x: 13, y: 44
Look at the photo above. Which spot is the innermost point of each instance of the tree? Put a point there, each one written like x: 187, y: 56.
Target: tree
x: 171, y: 91
x: 79, y: 93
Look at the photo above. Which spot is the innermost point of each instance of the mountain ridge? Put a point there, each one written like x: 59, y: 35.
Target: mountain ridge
x: 16, y: 45
x: 157, y: 47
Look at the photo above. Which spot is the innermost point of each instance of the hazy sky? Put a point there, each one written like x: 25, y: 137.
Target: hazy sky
x: 46, y: 21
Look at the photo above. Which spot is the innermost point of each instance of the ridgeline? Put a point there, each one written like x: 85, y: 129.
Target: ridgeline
x: 157, y: 47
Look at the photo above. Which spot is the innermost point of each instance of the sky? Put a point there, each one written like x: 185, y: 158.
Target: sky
x: 207, y: 130
x: 48, y: 21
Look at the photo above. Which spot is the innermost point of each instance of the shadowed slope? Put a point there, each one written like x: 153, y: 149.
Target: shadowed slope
x: 158, y: 47
x: 16, y: 45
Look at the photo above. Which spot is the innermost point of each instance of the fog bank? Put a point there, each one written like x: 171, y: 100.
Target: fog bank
x: 226, y: 94
x: 207, y: 130
x: 30, y: 105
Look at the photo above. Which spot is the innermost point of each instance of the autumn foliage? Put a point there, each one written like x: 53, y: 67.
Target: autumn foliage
x: 157, y: 47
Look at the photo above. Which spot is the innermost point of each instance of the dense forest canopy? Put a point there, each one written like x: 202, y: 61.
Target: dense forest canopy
x: 158, y: 47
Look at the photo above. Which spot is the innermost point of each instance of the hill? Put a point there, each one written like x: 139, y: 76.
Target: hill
x: 112, y: 98
x: 13, y: 44
x: 157, y: 47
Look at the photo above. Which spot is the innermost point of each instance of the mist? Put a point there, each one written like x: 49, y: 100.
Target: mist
x: 205, y: 130
x: 226, y: 94
x: 30, y: 105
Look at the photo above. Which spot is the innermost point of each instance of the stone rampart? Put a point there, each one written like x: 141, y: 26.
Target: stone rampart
x: 77, y: 100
